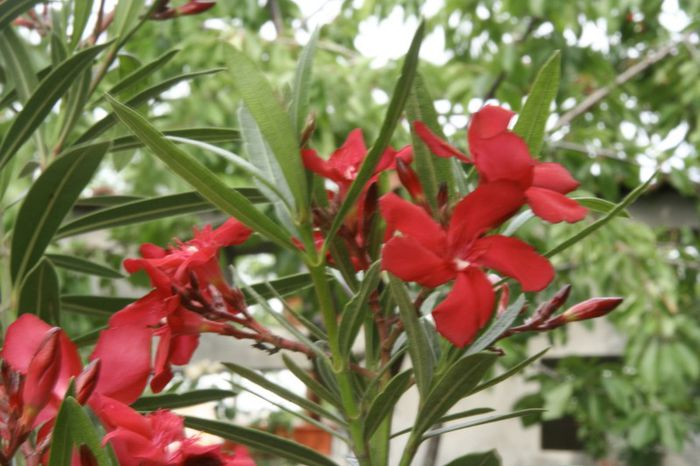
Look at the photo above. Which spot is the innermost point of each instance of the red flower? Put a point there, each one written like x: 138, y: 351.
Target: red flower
x: 431, y: 255
x: 499, y: 154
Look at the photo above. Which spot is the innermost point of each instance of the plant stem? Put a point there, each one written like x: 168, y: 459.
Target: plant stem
x: 409, y: 451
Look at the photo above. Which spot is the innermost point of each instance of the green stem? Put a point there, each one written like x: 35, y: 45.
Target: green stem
x: 410, y: 450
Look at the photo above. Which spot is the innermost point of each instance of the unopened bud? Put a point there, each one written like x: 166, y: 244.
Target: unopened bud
x: 589, y: 309
x: 195, y: 7
x: 87, y: 380
x: 369, y: 211
x: 409, y: 179
x: 41, y: 376
x: 546, y: 309
x: 87, y: 457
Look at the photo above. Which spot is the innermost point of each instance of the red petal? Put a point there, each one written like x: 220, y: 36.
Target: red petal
x: 114, y: 413
x: 409, y: 260
x: 503, y: 157
x: 346, y: 160
x: 437, y: 145
x: 183, y: 347
x: 125, y: 355
x: 466, y: 309
x: 486, y: 207
x: 145, y: 312
x: 152, y: 251
x: 231, y: 232
x: 554, y: 207
x: 316, y: 164
x: 23, y: 338
x: 412, y: 221
x: 553, y: 176
x: 489, y: 122
x: 514, y: 258
x: 161, y: 367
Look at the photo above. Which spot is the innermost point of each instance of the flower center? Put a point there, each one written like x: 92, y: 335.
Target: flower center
x: 461, y: 264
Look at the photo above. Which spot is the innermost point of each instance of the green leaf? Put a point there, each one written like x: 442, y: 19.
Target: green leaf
x: 11, y: 9
x: 488, y: 458
x: 43, y: 99
x: 260, y: 440
x: 501, y: 324
x: 40, y: 293
x: 391, y: 120
x: 288, y: 395
x: 533, y: 117
x: 457, y: 382
x: 209, y: 135
x: 16, y: 57
x: 311, y: 383
x: 73, y: 428
x: 557, y: 400
x: 299, y: 107
x: 48, y: 201
x: 105, y: 201
x: 599, y: 205
x: 283, y: 286
x: 421, y: 358
x: 201, y: 178
x: 81, y: 13
x: 432, y: 171
x: 138, y: 75
x: 100, y: 306
x: 481, y: 421
x: 139, y: 99
x: 385, y: 402
x: 510, y: 372
x: 273, y: 122
x: 619, y: 208
x: 356, y: 310
x: 643, y: 432
x: 180, y: 400
x: 89, y: 338
x: 450, y: 417
x: 125, y: 15
x: 145, y: 210
x: 77, y: 264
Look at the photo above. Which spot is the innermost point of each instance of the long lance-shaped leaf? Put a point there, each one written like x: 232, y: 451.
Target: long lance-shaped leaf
x: 418, y: 345
x: 273, y: 122
x: 385, y: 402
x: 78, y: 264
x: 299, y: 106
x: 180, y: 400
x: 74, y: 428
x: 393, y: 114
x: 312, y: 384
x: 482, y: 421
x: 450, y: 417
x: 40, y: 293
x: 355, y: 311
x: 97, y: 306
x: 81, y: 14
x: 262, y: 441
x: 619, y: 208
x: 487, y: 458
x: 141, y: 98
x: 510, y: 372
x: 499, y: 326
x: 282, y: 392
x: 533, y: 116
x: 47, y: 203
x: 279, y: 287
x: 11, y: 9
x: 208, y: 135
x: 49, y: 91
x: 141, y: 73
x: 201, y: 178
x: 145, y: 210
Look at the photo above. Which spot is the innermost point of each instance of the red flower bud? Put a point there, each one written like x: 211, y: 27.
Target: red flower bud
x: 546, y: 309
x: 195, y: 7
x: 41, y: 376
x: 87, y: 457
x: 589, y: 309
x: 409, y: 179
x: 87, y: 380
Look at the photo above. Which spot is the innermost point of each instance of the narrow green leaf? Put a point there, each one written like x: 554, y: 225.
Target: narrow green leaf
x: 299, y: 107
x: 180, y: 400
x: 74, y: 428
x: 501, y: 324
x: 81, y: 13
x: 481, y: 421
x: 418, y: 344
x: 48, y: 92
x: 99, y: 306
x: 260, y: 440
x: 385, y: 402
x: 273, y: 122
x: 125, y: 16
x: 288, y: 395
x: 356, y: 310
x: 77, y: 264
x: 11, y: 9
x: 510, y: 372
x: 16, y: 57
x: 488, y: 458
x: 201, y: 178
x: 105, y: 201
x: 47, y: 203
x: 75, y: 104
x: 39, y: 293
x: 619, y: 208
x: 139, y: 99
x: 533, y: 116
x: 599, y: 205
x: 450, y: 417
x: 393, y: 115
x: 312, y: 384
x: 208, y: 135
x: 283, y: 286
x: 432, y: 171
x: 89, y: 338
x: 138, y: 75
x: 145, y: 210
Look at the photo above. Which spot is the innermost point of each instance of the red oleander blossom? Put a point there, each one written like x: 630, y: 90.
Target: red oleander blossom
x: 431, y: 255
x: 500, y: 155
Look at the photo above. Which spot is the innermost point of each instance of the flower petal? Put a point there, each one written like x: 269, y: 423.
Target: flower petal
x: 554, y: 207
x: 488, y: 122
x: 409, y: 260
x: 437, y: 145
x: 486, y: 207
x: 346, y: 160
x: 514, y: 258
x: 553, y: 176
x: 467, y: 308
x: 23, y: 338
x: 412, y: 221
x: 503, y: 157
x: 231, y: 232
x: 316, y: 164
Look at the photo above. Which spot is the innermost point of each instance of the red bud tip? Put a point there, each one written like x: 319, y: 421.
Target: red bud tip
x: 87, y: 380
x: 195, y: 7
x: 41, y: 376
x: 589, y: 309
x: 409, y: 179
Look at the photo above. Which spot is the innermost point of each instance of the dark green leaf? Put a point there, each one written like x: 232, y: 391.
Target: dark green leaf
x: 489, y: 458
x: 533, y: 117
x: 481, y: 421
x: 139, y: 74
x: 299, y: 107
x: 311, y: 383
x: 284, y: 286
x: 385, y: 402
x: 47, y: 203
x: 599, y: 205
x: 102, y: 306
x: 40, y: 293
x: 501, y: 324
x: 77, y: 264
x: 356, y: 309
x: 260, y: 440
x: 105, y: 201
x: 210, y: 135
x: 11, y: 9
x: 81, y: 13
x: 451, y: 417
x: 510, y: 372
x: 73, y: 428
x: 180, y: 400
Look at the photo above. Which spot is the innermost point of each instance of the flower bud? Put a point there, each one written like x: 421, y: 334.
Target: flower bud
x: 41, y: 376
x: 87, y: 380
x: 589, y: 309
x: 546, y: 309
x: 195, y: 7
x: 409, y: 179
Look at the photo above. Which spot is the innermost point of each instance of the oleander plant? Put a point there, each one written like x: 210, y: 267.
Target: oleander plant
x: 406, y: 258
